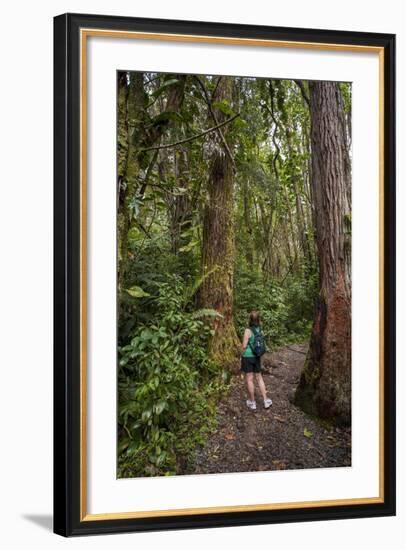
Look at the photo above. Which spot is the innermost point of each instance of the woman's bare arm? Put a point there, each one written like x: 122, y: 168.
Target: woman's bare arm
x: 247, y: 335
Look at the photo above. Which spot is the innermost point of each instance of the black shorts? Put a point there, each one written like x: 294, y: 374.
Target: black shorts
x: 251, y: 364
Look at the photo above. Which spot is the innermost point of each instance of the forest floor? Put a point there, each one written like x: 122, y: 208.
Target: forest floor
x: 282, y: 437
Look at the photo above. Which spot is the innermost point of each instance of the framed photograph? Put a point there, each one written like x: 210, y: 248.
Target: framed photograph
x: 224, y: 284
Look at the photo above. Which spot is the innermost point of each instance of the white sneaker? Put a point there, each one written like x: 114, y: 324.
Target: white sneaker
x: 251, y: 405
x: 267, y: 403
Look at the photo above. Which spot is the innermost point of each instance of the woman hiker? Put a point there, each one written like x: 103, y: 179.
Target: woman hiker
x: 251, y: 362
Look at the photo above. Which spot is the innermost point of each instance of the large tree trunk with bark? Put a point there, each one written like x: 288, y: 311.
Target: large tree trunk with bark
x: 131, y: 105
x: 325, y: 383
x: 218, y: 238
x: 122, y: 159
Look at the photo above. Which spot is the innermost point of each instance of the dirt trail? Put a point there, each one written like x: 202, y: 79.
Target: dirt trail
x: 272, y: 439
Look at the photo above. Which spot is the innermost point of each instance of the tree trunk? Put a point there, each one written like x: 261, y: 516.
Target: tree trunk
x: 131, y: 105
x: 325, y: 383
x: 218, y: 239
x: 122, y: 125
x: 122, y: 159
x: 300, y: 218
x: 249, y: 247
x: 180, y: 211
x: 138, y: 138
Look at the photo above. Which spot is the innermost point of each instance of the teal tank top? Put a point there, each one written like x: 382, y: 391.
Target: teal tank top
x: 248, y: 350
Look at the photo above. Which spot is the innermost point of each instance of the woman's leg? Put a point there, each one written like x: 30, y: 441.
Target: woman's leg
x: 249, y: 378
x: 261, y: 385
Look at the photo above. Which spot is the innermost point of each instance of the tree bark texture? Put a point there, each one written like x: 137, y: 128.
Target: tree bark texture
x: 131, y: 104
x: 325, y: 383
x: 181, y: 212
x: 218, y: 238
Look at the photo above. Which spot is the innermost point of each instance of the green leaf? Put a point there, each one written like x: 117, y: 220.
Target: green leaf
x: 159, y: 407
x: 123, y: 445
x: 188, y: 247
x: 224, y: 107
x: 132, y: 448
x: 166, y: 116
x: 146, y: 415
x: 164, y: 86
x: 161, y: 459
x: 239, y: 123
x: 307, y: 433
x: 226, y: 376
x: 137, y: 292
x: 191, y: 290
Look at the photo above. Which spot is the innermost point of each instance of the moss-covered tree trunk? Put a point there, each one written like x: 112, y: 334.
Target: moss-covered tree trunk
x: 218, y: 236
x: 180, y: 211
x: 130, y: 131
x: 122, y: 159
x: 325, y: 383
x: 134, y: 129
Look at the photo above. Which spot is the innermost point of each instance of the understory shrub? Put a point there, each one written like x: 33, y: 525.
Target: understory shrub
x: 167, y: 386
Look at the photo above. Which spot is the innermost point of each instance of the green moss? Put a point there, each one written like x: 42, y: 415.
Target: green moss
x: 224, y: 347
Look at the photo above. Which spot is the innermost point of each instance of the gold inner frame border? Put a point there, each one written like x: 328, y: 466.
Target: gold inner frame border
x: 84, y: 34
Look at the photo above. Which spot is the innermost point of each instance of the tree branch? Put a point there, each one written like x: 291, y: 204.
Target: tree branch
x: 216, y: 86
x: 300, y: 84
x: 213, y: 116
x: 147, y: 175
x: 168, y: 145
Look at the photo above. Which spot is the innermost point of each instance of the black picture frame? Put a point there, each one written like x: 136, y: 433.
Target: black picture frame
x: 67, y: 351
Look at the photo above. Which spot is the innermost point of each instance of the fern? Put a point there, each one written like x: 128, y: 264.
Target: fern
x: 194, y: 286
